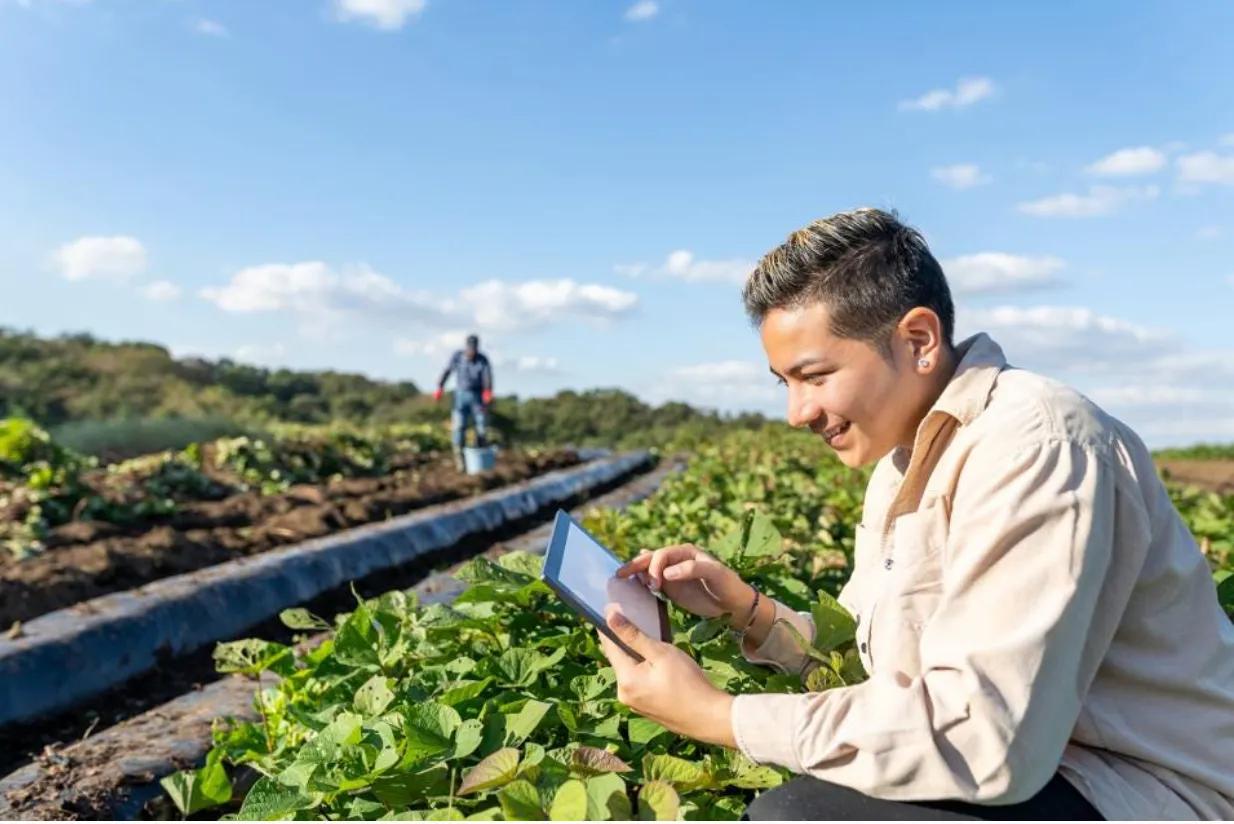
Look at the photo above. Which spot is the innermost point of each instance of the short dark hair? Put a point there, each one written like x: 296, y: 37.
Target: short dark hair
x: 867, y: 266
x: 473, y: 340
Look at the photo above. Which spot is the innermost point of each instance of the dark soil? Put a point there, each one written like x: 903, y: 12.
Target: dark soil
x: 49, y: 741
x: 1214, y: 475
x: 87, y: 559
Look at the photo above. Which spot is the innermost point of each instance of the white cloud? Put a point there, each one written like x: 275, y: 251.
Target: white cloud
x: 210, y: 28
x: 320, y: 295
x: 1000, y: 272
x: 273, y: 354
x: 529, y: 364
x: 506, y: 306
x: 1209, y: 232
x: 1100, y: 200
x: 443, y: 343
x: 324, y: 299
x: 161, y: 291
x: 682, y: 265
x: 1227, y: 139
x: 642, y: 10
x: 960, y: 175
x: 1140, y: 160
x: 118, y: 257
x: 1206, y: 167
x: 968, y: 90
x: 1067, y: 337
x: 383, y: 14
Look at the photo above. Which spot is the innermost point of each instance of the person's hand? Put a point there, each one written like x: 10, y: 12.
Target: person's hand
x: 667, y: 686
x: 437, y: 394
x: 694, y: 581
x: 487, y: 396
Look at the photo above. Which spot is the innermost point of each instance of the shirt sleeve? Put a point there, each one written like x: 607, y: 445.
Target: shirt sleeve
x: 780, y: 648
x: 1006, y: 658
x: 449, y: 368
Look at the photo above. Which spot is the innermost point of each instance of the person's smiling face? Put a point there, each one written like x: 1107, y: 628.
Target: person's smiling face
x: 862, y: 401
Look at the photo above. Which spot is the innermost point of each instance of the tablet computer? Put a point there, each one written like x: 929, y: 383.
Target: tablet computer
x: 582, y: 571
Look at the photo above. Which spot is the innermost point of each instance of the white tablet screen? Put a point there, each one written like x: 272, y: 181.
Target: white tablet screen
x: 588, y: 571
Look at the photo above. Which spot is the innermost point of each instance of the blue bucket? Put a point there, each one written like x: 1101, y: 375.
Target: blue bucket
x: 478, y: 459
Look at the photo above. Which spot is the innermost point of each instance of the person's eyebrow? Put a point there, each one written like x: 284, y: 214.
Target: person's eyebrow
x: 799, y: 365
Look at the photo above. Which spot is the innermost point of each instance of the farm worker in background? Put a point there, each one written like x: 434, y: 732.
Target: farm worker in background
x: 1042, y: 634
x: 472, y: 395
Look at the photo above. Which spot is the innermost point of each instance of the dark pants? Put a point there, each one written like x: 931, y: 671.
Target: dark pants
x: 806, y: 798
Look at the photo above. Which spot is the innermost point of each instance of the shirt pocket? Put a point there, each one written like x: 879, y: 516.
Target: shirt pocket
x: 859, y: 594
x: 911, y: 586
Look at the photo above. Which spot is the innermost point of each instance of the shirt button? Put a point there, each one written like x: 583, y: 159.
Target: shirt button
x: 887, y: 564
x: 863, y: 647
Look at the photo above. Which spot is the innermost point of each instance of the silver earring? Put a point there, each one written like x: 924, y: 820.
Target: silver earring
x: 923, y: 363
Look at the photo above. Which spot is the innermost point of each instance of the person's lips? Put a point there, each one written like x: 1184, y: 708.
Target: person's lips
x: 831, y: 434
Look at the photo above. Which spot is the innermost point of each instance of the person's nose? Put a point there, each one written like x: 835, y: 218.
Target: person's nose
x: 802, y: 409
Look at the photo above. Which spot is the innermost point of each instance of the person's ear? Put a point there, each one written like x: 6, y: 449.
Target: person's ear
x: 920, y: 337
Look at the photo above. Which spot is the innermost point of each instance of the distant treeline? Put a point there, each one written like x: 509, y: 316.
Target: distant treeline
x: 76, y: 381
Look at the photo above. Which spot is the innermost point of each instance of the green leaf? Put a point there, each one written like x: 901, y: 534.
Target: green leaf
x: 429, y: 728
x: 708, y: 629
x: 300, y: 618
x: 592, y: 760
x: 1225, y: 590
x: 524, y: 722
x: 607, y: 799
x: 268, y: 800
x: 467, y: 738
x: 195, y: 790
x: 464, y: 692
x: 522, y: 563
x: 252, y: 656
x: 405, y: 789
x: 658, y: 801
x: 373, y: 697
x: 520, y: 666
x: 591, y: 687
x: 833, y: 626
x: 494, y: 771
x: 520, y: 801
x: 680, y: 773
x: 763, y: 539
x: 570, y: 802
x: 823, y: 678
x: 642, y: 731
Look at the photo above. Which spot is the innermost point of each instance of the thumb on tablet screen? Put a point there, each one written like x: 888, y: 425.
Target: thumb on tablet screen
x: 629, y: 634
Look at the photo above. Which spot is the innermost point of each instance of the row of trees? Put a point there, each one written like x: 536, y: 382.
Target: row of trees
x: 75, y: 381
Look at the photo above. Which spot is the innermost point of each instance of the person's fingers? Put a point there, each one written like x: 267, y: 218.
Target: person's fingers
x: 617, y: 657
x: 630, y: 635
x: 685, y: 571
x: 638, y: 564
x: 668, y: 556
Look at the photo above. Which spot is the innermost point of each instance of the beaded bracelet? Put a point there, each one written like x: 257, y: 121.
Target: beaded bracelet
x: 753, y: 613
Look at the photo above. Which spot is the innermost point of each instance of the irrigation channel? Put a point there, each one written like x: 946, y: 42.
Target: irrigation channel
x: 122, y: 688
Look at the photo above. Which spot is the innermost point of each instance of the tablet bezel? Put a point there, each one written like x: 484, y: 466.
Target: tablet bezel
x: 562, y: 525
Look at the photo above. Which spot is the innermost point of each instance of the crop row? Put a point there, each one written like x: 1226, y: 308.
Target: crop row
x: 500, y: 705
x: 44, y: 484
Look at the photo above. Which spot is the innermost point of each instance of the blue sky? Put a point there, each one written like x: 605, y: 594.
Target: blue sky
x: 357, y: 183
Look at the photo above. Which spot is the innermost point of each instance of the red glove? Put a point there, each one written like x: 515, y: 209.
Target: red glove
x: 487, y: 396
x: 437, y: 394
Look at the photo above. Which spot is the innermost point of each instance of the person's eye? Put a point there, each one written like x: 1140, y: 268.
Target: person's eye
x: 816, y: 379
x: 781, y: 381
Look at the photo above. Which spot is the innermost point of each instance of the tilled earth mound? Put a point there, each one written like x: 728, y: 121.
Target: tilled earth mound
x: 87, y: 559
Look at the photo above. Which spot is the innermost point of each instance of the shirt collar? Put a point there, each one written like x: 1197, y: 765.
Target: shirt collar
x: 967, y: 393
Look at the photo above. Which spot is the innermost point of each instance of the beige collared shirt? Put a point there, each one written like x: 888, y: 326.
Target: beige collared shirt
x: 1028, y: 601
